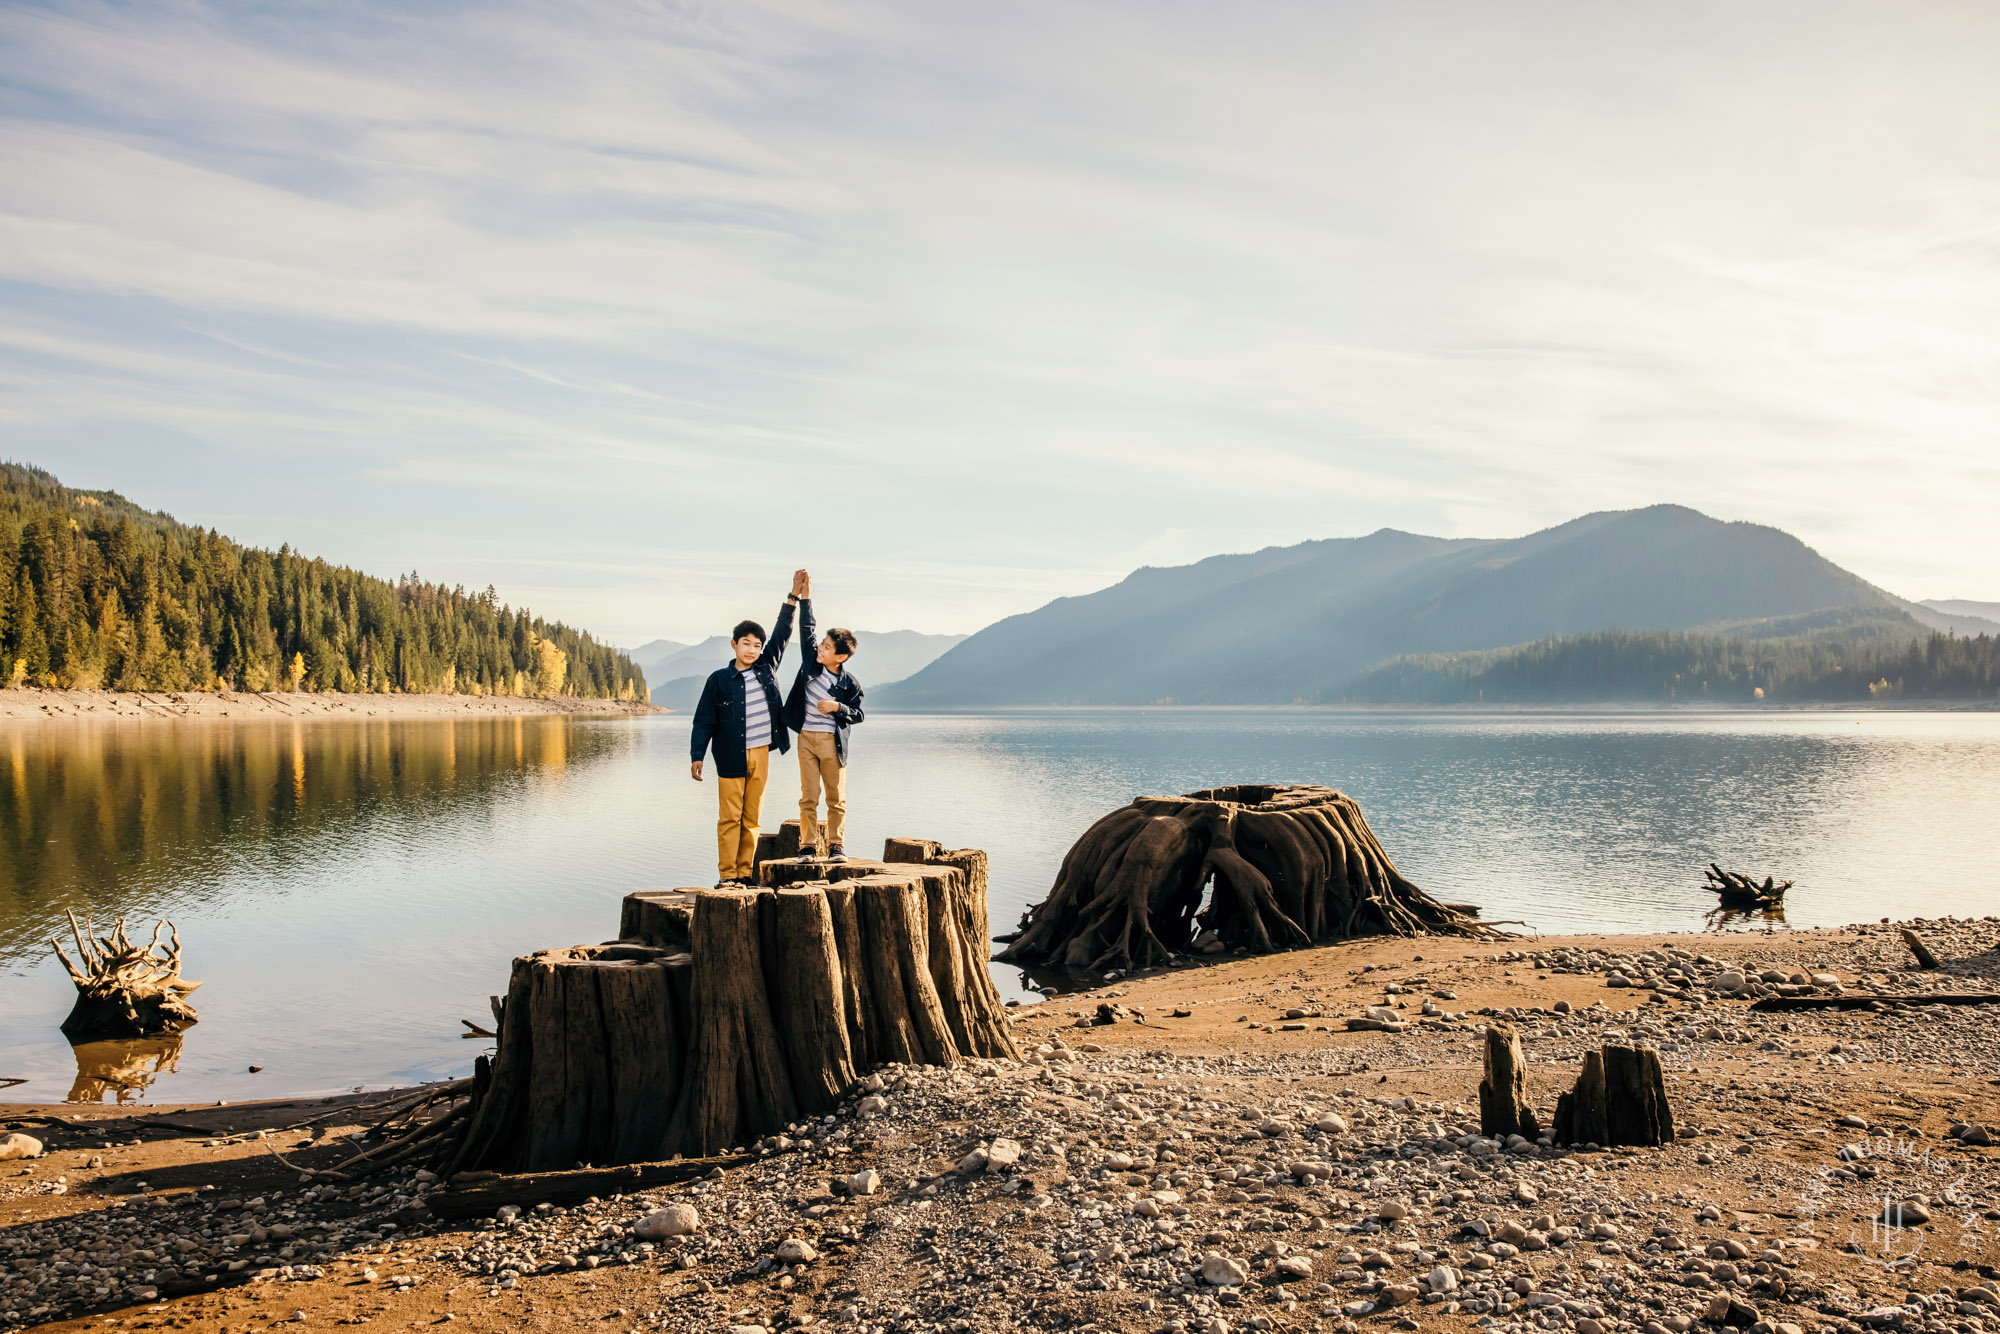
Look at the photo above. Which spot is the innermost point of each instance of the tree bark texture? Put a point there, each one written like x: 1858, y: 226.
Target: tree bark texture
x: 1263, y: 867
x: 1503, y: 1092
x: 731, y: 1013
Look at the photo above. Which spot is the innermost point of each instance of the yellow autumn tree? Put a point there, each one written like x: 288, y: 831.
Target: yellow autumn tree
x: 551, y: 668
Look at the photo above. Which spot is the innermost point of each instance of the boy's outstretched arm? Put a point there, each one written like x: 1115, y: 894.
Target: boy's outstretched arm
x: 781, y: 633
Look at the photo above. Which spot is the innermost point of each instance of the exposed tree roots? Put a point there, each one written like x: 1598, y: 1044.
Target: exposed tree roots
x: 123, y: 989
x: 1288, y: 866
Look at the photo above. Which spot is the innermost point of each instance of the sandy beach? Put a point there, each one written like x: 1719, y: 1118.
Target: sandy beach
x: 149, y: 705
x: 1213, y: 1151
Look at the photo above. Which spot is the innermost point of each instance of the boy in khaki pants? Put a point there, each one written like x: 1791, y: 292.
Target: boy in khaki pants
x: 825, y: 702
x: 739, y: 714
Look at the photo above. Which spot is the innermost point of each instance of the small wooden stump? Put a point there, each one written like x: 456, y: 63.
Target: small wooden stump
x: 1503, y: 1092
x: 1619, y: 1099
x: 659, y: 917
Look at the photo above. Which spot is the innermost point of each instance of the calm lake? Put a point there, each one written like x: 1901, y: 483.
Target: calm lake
x: 348, y: 891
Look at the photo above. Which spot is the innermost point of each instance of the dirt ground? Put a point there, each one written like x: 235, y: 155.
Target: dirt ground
x: 1766, y: 1119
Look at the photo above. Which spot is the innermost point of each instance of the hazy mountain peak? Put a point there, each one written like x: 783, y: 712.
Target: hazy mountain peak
x: 1289, y: 623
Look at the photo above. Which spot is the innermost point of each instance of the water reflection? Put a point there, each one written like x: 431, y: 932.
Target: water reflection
x: 1734, y: 919
x: 95, y: 813
x: 349, y: 892
x: 122, y: 1069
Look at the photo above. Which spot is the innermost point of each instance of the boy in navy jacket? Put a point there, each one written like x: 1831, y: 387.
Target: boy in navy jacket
x: 741, y: 715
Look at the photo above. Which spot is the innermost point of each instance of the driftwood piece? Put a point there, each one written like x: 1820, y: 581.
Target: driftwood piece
x: 1864, y: 1000
x: 1503, y: 1091
x: 1925, y: 959
x: 1288, y: 864
x: 124, y: 989
x: 1739, y: 891
x: 1619, y: 1099
x: 478, y: 1194
x: 737, y: 1085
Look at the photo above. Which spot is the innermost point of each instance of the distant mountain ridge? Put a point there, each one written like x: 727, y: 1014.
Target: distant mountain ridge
x: 1302, y: 623
x: 883, y: 657
x: 1965, y: 608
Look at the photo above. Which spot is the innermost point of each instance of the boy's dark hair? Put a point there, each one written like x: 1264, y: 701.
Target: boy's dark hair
x: 746, y: 628
x: 843, y: 641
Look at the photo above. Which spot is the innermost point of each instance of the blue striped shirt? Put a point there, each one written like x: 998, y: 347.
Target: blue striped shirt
x: 819, y: 686
x: 756, y: 713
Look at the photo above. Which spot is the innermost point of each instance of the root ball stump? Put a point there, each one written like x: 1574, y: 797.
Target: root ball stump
x: 1290, y: 865
x: 726, y: 1015
x: 125, y: 989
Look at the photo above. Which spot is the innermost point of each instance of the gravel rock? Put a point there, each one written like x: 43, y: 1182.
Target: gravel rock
x: 676, y: 1220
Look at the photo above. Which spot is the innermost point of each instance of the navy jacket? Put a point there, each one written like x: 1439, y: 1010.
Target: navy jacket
x: 719, y: 716
x: 846, y: 690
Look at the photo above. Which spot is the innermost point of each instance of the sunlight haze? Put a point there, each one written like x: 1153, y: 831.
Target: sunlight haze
x: 630, y: 310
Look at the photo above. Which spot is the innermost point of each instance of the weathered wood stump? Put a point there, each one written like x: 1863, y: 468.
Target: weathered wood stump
x: 589, y: 1061
x: 659, y: 917
x: 728, y: 1014
x: 124, y: 989
x: 1620, y: 1098
x: 1289, y: 865
x: 1503, y: 1091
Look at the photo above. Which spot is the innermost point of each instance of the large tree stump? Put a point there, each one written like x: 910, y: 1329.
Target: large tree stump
x: 1263, y: 867
x: 1620, y: 1098
x: 728, y: 1013
x: 123, y: 989
x: 1503, y: 1091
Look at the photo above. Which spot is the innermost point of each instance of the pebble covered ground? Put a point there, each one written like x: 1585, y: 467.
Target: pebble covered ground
x: 1210, y: 1149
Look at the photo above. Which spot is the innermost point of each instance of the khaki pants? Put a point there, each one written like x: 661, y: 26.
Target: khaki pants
x: 742, y: 806
x: 820, y: 763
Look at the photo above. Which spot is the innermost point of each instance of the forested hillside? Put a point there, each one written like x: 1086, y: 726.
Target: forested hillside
x: 98, y: 593
x: 1877, y: 659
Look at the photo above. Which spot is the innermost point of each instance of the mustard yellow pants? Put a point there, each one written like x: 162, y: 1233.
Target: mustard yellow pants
x: 819, y: 764
x: 742, y: 807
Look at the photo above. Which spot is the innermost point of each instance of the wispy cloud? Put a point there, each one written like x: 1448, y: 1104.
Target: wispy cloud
x: 617, y: 305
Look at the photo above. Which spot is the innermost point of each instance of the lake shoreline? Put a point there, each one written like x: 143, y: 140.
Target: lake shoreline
x: 1765, y: 1104
x: 29, y: 703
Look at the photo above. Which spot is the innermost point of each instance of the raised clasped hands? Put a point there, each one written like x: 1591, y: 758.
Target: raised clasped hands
x: 802, y: 585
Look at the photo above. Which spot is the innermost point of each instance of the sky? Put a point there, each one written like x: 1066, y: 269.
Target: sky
x: 629, y: 309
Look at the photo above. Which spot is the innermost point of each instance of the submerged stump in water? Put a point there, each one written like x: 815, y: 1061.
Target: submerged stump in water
x: 123, y: 989
x: 1290, y: 865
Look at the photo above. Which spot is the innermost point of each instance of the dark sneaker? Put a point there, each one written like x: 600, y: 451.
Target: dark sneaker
x: 834, y: 854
